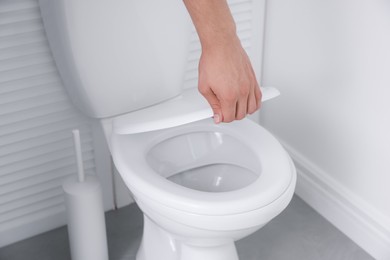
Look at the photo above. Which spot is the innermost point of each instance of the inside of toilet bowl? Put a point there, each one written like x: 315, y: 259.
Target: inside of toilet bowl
x: 205, y: 161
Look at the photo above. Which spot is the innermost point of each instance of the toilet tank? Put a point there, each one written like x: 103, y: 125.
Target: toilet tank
x: 118, y: 56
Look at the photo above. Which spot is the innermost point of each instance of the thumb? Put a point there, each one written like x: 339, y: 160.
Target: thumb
x: 214, y: 103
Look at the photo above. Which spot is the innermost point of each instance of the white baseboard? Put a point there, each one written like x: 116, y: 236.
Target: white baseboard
x: 351, y: 215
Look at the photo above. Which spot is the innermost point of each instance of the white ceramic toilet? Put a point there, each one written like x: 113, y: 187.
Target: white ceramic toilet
x: 200, y: 186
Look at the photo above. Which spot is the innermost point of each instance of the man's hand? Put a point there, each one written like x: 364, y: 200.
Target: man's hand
x: 227, y: 81
x: 226, y: 77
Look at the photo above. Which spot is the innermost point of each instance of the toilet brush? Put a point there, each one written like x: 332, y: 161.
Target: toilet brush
x: 85, y: 213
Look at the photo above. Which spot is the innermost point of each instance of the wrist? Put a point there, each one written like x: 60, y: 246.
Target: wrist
x: 220, y: 40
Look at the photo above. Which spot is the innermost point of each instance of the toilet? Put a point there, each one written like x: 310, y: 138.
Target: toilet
x: 200, y: 186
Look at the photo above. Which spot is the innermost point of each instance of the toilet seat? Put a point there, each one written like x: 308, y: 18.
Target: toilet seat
x: 129, y: 152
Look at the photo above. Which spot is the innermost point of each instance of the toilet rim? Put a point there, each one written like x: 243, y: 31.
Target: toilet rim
x: 128, y: 153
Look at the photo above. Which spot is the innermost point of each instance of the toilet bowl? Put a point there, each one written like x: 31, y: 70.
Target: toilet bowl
x: 203, y: 186
x: 200, y: 186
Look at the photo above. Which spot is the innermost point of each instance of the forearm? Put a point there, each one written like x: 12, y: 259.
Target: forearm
x: 213, y: 22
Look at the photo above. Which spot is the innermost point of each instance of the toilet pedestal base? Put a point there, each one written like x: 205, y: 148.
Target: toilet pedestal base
x: 156, y: 243
x: 159, y: 244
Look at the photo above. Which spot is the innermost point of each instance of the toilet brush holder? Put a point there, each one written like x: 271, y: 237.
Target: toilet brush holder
x: 85, y: 213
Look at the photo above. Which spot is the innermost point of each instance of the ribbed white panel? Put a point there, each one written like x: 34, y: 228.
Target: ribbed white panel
x: 242, y: 11
x: 36, y: 148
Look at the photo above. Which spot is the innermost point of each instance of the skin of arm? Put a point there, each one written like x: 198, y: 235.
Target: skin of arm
x: 226, y: 76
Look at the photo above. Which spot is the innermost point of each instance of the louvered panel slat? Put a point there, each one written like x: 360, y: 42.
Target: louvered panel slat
x: 195, y: 46
x: 39, y: 160
x: 243, y: 17
x: 55, y: 126
x: 13, y: 120
x: 22, y: 39
x: 24, y: 60
x: 22, y: 50
x: 247, y: 46
x: 41, y: 140
x: 192, y: 64
x: 7, y: 6
x: 30, y: 190
x: 194, y: 35
x: 192, y: 70
x: 47, y: 98
x: 29, y: 82
x: 31, y: 208
x: 19, y: 16
x: 245, y: 37
x: 26, y: 72
x: 40, y: 179
x: 38, y: 188
x: 232, y: 3
x: 191, y: 74
x: 14, y: 205
x: 20, y: 177
x: 242, y: 7
x: 66, y: 166
x: 20, y: 27
x: 191, y: 83
x: 32, y: 217
x: 38, y: 151
x: 36, y: 119
x: 243, y: 26
x: 20, y: 95
x: 193, y: 56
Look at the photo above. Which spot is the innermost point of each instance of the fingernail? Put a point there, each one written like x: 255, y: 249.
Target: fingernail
x: 217, y: 119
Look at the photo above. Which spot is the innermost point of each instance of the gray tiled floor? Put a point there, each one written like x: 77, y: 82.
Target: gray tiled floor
x: 299, y: 233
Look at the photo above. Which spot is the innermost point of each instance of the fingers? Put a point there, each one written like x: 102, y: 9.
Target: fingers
x: 258, y: 96
x: 214, y: 103
x: 228, y: 105
x: 252, y: 102
x: 248, y: 103
x: 242, y: 105
x: 229, y: 108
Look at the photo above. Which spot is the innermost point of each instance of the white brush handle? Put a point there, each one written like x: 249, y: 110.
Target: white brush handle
x: 79, y: 157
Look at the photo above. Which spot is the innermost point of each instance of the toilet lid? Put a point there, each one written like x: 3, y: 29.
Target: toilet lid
x: 189, y: 107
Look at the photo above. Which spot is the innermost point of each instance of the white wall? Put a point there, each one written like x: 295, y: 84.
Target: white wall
x: 331, y: 61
